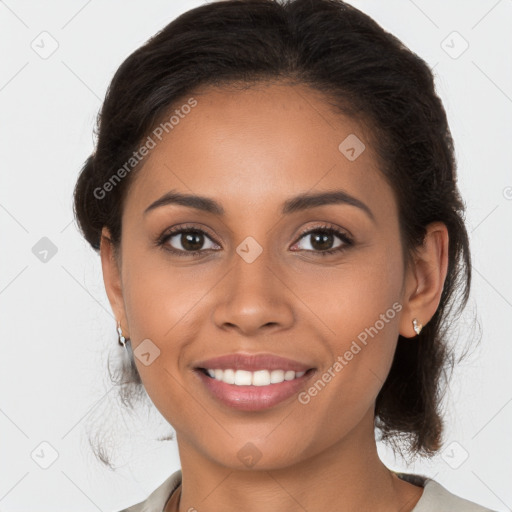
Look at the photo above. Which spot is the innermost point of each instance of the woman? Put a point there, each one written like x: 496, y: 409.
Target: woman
x: 274, y: 198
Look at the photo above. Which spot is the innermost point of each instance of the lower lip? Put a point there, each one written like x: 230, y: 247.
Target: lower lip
x: 253, y: 398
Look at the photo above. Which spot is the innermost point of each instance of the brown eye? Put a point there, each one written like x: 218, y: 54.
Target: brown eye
x: 187, y: 242
x: 322, y: 240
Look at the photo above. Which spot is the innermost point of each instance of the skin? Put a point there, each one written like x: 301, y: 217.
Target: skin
x: 251, y: 150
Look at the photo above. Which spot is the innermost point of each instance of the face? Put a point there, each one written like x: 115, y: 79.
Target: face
x: 320, y: 283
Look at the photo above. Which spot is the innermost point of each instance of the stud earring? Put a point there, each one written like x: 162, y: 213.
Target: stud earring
x: 122, y: 339
x: 416, y: 326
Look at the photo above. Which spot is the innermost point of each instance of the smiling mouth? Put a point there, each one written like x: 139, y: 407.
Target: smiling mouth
x: 253, y: 391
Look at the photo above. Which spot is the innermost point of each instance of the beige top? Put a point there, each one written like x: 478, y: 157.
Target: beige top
x: 435, y: 497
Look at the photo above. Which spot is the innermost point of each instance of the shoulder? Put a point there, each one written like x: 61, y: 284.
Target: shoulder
x: 156, y: 501
x: 436, y: 498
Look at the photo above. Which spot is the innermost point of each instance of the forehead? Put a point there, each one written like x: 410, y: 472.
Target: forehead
x: 258, y: 146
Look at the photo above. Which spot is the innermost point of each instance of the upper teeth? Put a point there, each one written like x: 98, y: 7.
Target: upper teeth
x: 257, y: 378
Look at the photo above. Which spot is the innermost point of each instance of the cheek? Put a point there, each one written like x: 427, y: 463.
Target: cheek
x: 351, y: 297
x: 161, y: 304
x: 357, y: 309
x: 159, y: 295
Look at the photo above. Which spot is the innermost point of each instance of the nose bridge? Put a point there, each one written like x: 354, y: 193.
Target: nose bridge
x: 253, y: 273
x: 254, y: 254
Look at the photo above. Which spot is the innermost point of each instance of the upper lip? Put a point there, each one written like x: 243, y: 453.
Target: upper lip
x: 252, y: 362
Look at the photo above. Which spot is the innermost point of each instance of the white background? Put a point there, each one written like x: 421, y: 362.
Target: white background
x: 56, y: 324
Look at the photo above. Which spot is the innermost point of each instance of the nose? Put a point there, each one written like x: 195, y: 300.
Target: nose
x: 254, y: 298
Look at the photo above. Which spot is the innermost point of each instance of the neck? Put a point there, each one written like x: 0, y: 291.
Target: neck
x: 347, y: 476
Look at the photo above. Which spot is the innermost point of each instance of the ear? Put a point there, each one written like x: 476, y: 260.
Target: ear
x: 112, y: 279
x: 425, y: 279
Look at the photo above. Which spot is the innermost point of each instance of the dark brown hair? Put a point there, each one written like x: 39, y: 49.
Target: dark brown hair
x: 361, y: 70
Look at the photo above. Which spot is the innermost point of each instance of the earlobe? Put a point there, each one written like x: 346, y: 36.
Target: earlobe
x: 112, y: 276
x: 426, y: 280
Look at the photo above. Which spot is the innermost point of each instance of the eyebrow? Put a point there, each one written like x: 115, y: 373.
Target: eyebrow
x: 295, y: 204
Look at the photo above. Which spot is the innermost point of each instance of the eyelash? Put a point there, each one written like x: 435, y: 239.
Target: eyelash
x: 326, y: 228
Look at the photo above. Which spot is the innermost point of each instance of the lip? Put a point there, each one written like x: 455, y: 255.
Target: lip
x: 253, y: 398
x: 252, y: 362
